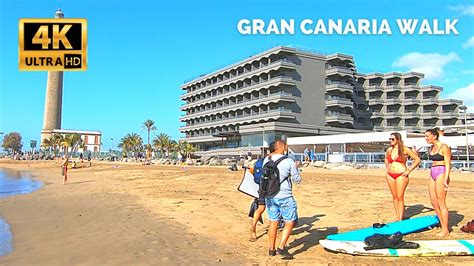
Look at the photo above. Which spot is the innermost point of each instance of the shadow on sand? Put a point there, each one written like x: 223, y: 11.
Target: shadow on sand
x: 414, y: 210
x: 454, y: 217
x: 306, y: 224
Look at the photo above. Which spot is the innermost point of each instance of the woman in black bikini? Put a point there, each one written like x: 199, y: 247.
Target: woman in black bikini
x: 397, y: 171
x: 440, y: 155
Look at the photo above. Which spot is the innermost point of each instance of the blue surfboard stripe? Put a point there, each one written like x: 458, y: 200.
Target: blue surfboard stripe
x: 393, y: 252
x: 467, y: 245
x: 404, y: 227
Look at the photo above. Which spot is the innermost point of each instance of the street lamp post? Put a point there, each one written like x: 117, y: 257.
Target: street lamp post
x: 464, y: 108
x: 112, y: 148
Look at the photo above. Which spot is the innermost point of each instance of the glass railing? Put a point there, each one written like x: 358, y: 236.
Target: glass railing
x: 279, y: 110
x: 238, y: 76
x: 242, y: 88
x: 235, y: 105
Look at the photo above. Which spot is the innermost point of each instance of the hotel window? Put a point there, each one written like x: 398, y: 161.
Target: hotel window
x: 96, y: 140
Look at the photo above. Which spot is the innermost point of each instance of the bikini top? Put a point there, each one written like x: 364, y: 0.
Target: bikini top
x: 399, y: 159
x: 436, y: 157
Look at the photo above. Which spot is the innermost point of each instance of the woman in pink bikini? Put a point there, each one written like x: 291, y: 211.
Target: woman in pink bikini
x: 440, y: 155
x: 397, y: 171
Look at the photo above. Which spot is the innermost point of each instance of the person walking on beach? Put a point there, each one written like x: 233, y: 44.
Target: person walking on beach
x: 397, y: 171
x: 440, y: 155
x: 261, y: 204
x: 306, y: 154
x: 64, y: 169
x: 283, y: 204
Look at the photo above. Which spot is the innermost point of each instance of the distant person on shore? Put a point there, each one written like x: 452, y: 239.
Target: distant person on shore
x: 396, y: 159
x: 306, y: 154
x: 261, y: 204
x: 64, y: 167
x: 89, y: 159
x: 282, y: 205
x: 440, y: 155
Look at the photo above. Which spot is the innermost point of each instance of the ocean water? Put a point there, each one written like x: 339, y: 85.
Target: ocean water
x: 13, y: 183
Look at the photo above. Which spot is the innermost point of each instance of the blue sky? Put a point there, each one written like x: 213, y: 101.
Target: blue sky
x: 140, y: 52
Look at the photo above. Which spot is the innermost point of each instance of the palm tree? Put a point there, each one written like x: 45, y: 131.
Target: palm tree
x: 131, y: 142
x: 189, y: 149
x: 72, y: 141
x: 162, y: 142
x: 56, y: 141
x: 149, y: 125
x: 47, y: 144
x: 185, y: 149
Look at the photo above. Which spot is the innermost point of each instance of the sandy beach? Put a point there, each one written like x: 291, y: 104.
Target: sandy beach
x: 119, y: 213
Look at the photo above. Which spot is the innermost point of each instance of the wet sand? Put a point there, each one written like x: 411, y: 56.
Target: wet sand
x: 117, y: 213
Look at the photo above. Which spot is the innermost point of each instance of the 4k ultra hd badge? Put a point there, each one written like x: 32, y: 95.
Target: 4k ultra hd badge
x: 53, y: 44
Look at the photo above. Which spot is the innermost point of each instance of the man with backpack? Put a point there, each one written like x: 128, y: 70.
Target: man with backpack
x: 260, y: 202
x: 277, y: 175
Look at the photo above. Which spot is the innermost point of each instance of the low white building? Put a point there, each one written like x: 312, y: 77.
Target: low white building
x: 92, y: 139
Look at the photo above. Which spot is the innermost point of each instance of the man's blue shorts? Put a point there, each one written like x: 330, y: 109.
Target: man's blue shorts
x: 281, y: 208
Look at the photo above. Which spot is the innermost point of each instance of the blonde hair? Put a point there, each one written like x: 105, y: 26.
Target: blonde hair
x: 401, y: 146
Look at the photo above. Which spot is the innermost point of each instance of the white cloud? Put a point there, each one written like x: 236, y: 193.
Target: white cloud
x: 465, y: 94
x: 468, y: 71
x: 463, y: 9
x: 469, y: 43
x: 429, y: 64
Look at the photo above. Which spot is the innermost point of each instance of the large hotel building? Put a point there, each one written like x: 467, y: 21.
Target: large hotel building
x: 287, y: 92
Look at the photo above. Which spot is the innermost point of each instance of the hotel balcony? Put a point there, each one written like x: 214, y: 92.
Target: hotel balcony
x: 373, y: 88
x: 339, y: 86
x: 273, y: 82
x: 283, y: 63
x: 377, y: 114
x: 428, y: 115
x: 341, y: 57
x: 376, y: 101
x: 390, y: 115
x: 428, y: 101
x: 410, y: 87
x: 410, y: 100
x: 450, y: 102
x: 341, y: 102
x: 448, y: 114
x: 266, y: 99
x: 410, y: 114
x: 430, y: 88
x: 339, y: 70
x: 240, y: 119
x: 341, y: 118
x: 392, y: 100
x: 389, y: 88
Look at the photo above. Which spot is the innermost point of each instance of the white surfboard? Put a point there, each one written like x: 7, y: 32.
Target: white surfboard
x: 427, y: 248
x: 248, y: 185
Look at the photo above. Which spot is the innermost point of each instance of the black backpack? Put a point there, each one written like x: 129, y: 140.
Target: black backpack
x: 270, y: 182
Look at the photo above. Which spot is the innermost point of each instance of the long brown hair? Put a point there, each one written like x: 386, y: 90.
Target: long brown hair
x: 401, y: 146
